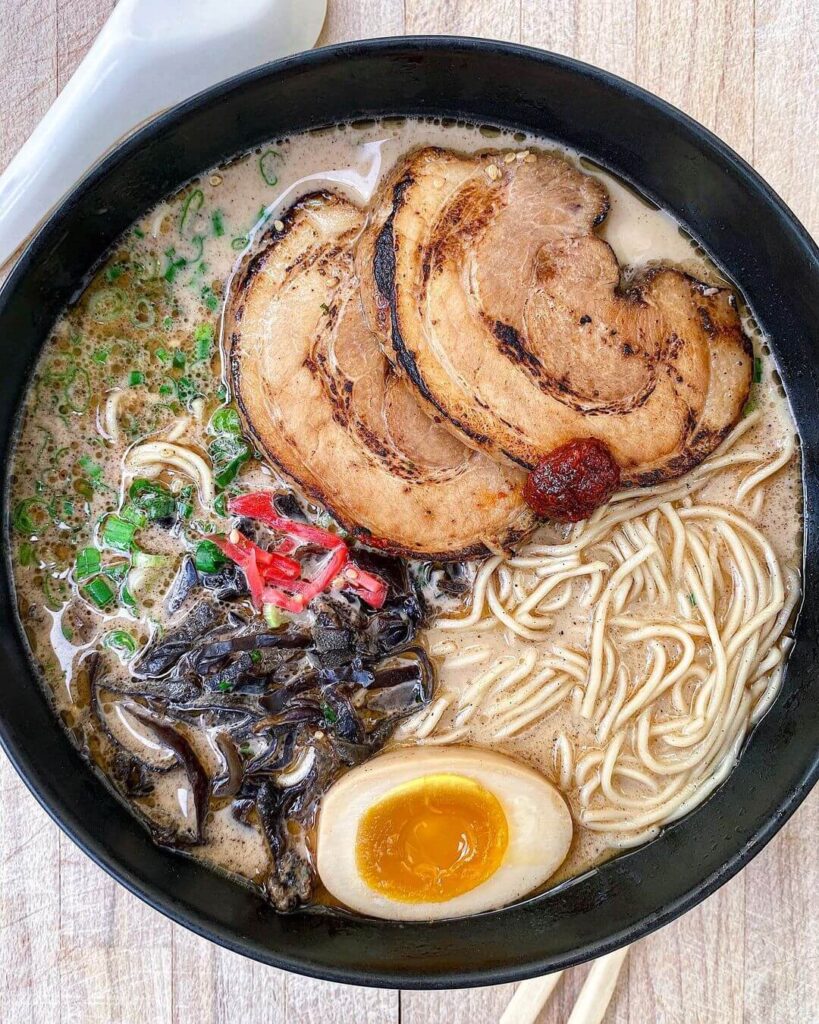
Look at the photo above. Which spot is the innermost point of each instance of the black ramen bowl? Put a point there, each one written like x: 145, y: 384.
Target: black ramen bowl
x: 758, y: 243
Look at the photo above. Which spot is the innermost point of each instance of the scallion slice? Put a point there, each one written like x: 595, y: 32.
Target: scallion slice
x: 152, y: 498
x: 106, y: 305
x: 146, y: 560
x: 207, y: 557
x: 267, y: 167
x: 87, y: 563
x: 187, y: 390
x: 143, y: 314
x: 226, y: 421
x: 272, y: 616
x: 77, y: 390
x: 99, y: 592
x: 121, y: 642
x: 118, y: 533
x: 190, y: 208
x: 30, y: 515
x: 203, y: 339
x: 26, y: 555
x: 134, y: 515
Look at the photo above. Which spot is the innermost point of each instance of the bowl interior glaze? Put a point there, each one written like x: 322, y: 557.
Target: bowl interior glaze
x: 724, y: 205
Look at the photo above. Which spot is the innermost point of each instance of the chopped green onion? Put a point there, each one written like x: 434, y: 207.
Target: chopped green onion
x: 239, y: 242
x: 139, y: 232
x: 68, y: 507
x: 220, y: 505
x: 168, y: 386
x: 77, y: 390
x: 144, y: 314
x: 117, y: 570
x: 112, y: 273
x: 757, y: 370
x: 162, y: 354
x: 121, y: 642
x: 246, y: 749
x: 749, y: 407
x: 255, y: 657
x: 184, y: 505
x: 136, y: 377
x: 267, y: 164
x: 87, y: 563
x: 30, y: 515
x: 174, y: 264
x: 191, y: 207
x: 225, y: 685
x: 48, y: 438
x: 330, y: 714
x: 106, y: 304
x: 226, y: 421
x: 187, y: 390
x: 118, y: 533
x: 178, y: 361
x: 207, y: 557
x: 195, y: 255
x: 203, y: 338
x: 66, y: 631
x: 52, y: 602
x: 153, y: 499
x: 99, y: 592
x: 167, y: 322
x: 86, y: 463
x: 26, y: 554
x: 146, y: 560
x: 272, y: 616
x: 227, y: 453
x: 127, y: 598
x: 218, y: 223
x: 210, y: 298
x: 693, y: 599
x: 100, y: 355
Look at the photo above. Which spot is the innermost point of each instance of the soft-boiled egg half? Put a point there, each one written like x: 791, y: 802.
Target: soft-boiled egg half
x: 431, y: 832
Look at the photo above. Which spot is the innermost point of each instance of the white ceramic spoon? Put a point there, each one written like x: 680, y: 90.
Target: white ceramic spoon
x: 149, y: 55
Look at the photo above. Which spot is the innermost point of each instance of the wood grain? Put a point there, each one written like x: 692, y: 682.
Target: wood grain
x: 75, y: 947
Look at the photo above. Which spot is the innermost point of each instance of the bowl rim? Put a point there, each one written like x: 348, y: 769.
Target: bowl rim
x: 65, y: 816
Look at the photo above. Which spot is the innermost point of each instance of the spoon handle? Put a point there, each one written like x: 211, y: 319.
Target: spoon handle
x: 149, y: 55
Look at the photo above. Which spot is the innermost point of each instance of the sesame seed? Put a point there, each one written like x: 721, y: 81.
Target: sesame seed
x: 216, y: 179
x: 493, y: 172
x: 522, y: 155
x: 530, y: 158
x: 437, y: 182
x: 509, y: 158
x: 278, y: 225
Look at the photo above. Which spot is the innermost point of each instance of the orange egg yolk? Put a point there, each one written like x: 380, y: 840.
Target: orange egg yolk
x: 431, y: 839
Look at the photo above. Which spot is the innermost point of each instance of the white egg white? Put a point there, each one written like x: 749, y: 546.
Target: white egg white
x: 540, y: 829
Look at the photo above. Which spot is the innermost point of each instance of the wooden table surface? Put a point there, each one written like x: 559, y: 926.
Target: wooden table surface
x: 74, y: 946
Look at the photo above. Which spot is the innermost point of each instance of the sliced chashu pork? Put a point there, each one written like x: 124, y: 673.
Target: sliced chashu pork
x: 486, y: 280
x: 323, y: 402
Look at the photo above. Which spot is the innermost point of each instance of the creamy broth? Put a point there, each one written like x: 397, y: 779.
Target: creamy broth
x: 140, y: 351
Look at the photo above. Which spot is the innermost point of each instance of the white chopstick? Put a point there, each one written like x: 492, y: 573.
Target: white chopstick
x: 529, y: 999
x: 531, y: 996
x: 598, y: 988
